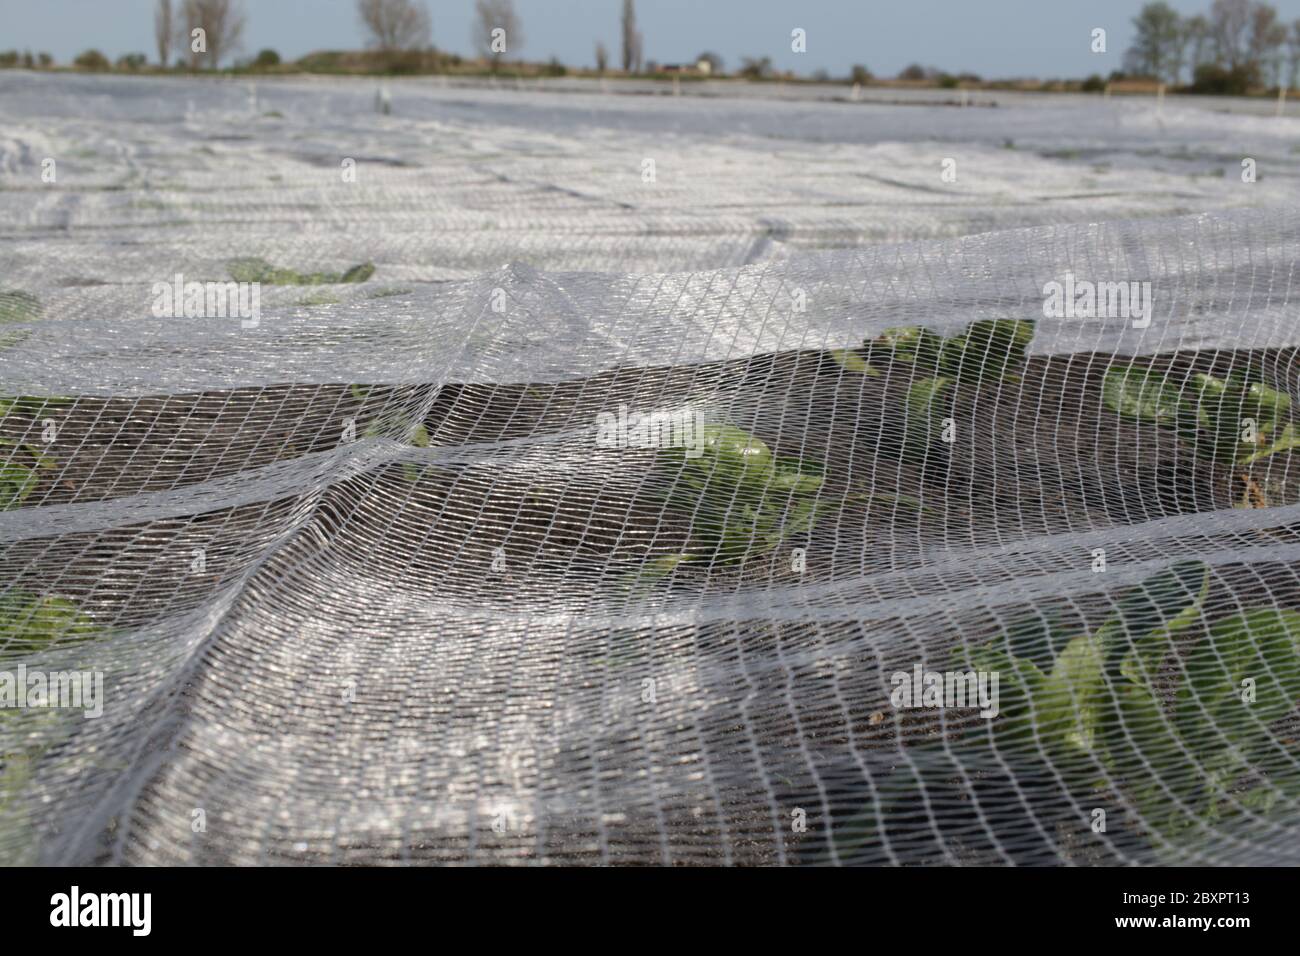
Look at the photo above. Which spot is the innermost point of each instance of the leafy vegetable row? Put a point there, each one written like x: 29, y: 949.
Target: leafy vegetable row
x: 1232, y: 422
x: 1188, y: 733
x: 1164, y: 707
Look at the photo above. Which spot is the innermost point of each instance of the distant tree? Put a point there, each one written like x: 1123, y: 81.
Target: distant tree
x: 714, y: 60
x: 1157, y: 43
x: 913, y: 72
x: 8, y: 59
x: 860, y: 75
x: 1179, y: 39
x: 1264, y: 41
x: 28, y: 61
x: 92, y: 60
x: 631, y: 39
x: 222, y: 22
x: 1093, y: 84
x: 164, y: 29
x: 131, y: 61
x: 1293, y: 53
x: 492, y: 15
x: 394, y: 25
x: 1229, y: 23
x: 755, y: 67
x: 266, y: 58
x: 1196, y: 35
x: 1231, y: 81
x: 44, y: 61
x: 638, y: 52
x: 602, y: 57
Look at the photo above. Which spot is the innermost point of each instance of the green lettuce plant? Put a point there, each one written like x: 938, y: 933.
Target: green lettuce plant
x: 259, y: 270
x: 20, y: 472
x: 21, y: 468
x: 32, y: 622
x: 851, y: 361
x: 741, y: 500
x: 1233, y: 422
x: 16, y: 306
x: 923, y: 406
x: 988, y: 352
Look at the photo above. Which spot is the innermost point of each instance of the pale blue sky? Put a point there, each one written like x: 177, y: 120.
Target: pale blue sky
x: 995, y: 38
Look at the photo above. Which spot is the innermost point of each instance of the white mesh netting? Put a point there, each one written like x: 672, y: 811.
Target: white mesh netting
x: 371, y: 580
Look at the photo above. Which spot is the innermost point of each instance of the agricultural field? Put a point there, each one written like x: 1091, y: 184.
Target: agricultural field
x: 445, y: 470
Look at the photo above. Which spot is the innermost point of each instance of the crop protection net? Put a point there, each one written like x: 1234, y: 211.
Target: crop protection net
x: 566, y: 475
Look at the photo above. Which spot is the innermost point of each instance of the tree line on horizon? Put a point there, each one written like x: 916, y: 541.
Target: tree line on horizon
x: 1234, y: 47
x: 393, y: 28
x: 398, y: 38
